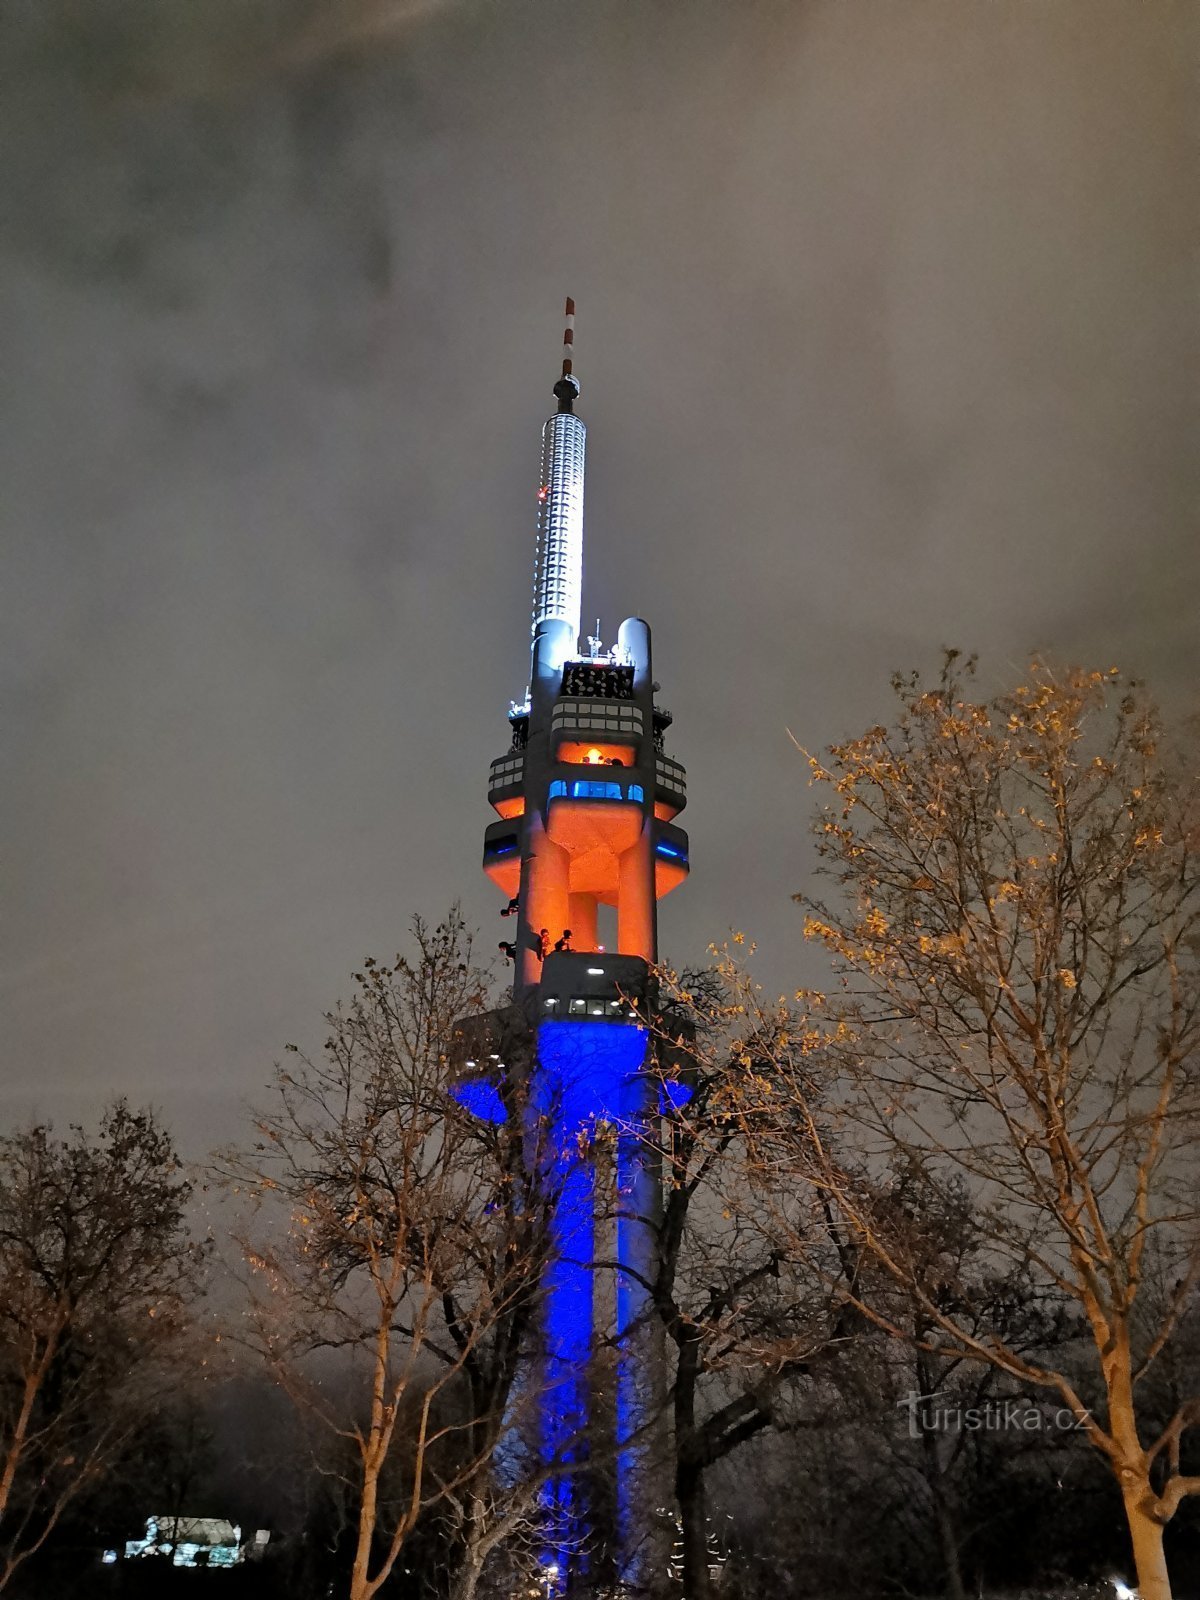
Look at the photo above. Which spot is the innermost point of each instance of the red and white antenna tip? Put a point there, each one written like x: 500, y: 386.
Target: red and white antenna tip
x: 569, y: 338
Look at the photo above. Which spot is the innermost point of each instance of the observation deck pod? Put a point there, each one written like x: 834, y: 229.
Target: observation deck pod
x: 488, y: 1053
x: 494, y: 1050
x: 582, y: 984
x: 585, y: 988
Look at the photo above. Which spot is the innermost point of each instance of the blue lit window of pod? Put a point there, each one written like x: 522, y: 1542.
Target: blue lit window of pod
x: 589, y: 789
x: 636, y: 792
x: 558, y: 789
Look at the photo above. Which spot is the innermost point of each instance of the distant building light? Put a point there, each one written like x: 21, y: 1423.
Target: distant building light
x: 205, y: 1542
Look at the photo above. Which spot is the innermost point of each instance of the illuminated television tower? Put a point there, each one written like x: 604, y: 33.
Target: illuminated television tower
x: 586, y: 798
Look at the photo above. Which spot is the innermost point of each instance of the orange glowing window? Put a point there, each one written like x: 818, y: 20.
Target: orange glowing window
x: 582, y: 752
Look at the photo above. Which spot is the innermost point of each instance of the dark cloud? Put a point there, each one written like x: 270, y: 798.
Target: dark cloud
x: 887, y: 333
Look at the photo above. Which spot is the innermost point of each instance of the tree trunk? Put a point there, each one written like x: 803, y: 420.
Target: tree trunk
x: 471, y: 1570
x: 467, y: 1580
x: 1133, y: 1474
x: 693, y: 1517
x: 361, y: 1587
x: 17, y: 1443
x: 34, y: 1377
x: 935, y: 1478
x: 947, y: 1533
x: 1146, y: 1536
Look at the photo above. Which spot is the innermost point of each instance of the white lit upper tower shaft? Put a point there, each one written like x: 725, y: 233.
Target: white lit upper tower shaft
x: 558, y: 571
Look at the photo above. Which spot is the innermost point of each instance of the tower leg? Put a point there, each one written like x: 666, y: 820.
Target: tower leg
x: 583, y: 921
x: 565, y: 1101
x: 641, y: 1373
x: 544, y: 902
x: 567, y: 1324
x: 637, y: 913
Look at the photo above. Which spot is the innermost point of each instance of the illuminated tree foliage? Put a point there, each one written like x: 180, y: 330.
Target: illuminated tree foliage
x: 95, y: 1273
x: 1017, y: 1011
x: 397, y: 1252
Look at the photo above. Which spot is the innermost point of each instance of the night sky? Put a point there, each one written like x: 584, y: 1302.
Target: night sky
x: 887, y: 334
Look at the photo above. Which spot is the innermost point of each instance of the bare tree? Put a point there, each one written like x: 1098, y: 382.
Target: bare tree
x: 1017, y: 1010
x: 95, y: 1276
x: 746, y: 1320
x: 949, y: 1396
x: 412, y: 1250
x: 500, y: 1529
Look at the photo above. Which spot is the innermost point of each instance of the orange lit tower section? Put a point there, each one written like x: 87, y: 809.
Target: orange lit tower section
x: 587, y: 798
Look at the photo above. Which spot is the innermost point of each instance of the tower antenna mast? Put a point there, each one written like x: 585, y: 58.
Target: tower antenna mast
x: 568, y: 338
x: 558, y: 570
